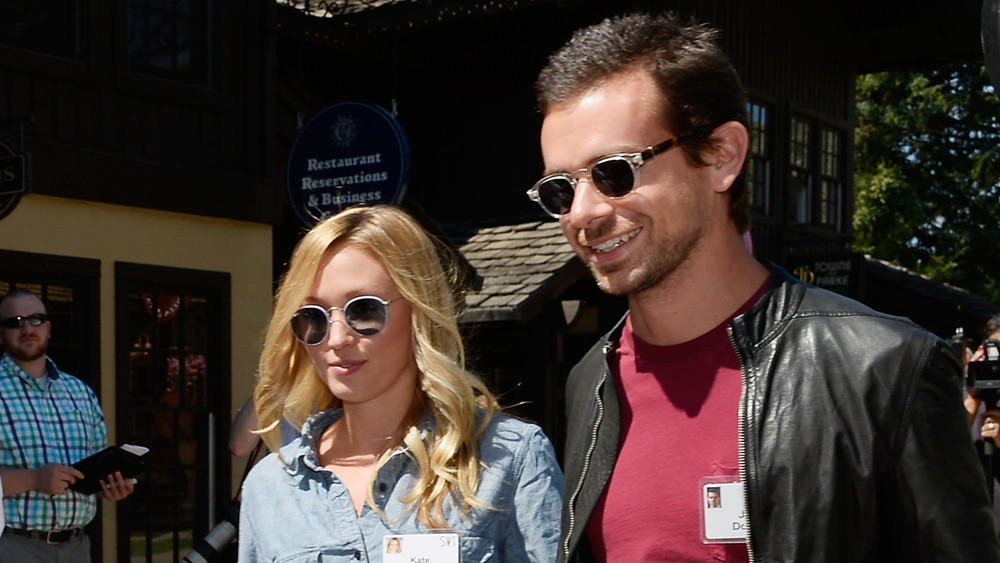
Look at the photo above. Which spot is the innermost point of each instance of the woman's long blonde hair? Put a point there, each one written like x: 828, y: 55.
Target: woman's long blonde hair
x: 288, y: 386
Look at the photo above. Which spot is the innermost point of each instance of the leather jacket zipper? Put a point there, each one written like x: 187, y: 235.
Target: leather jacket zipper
x: 590, y: 450
x: 741, y: 432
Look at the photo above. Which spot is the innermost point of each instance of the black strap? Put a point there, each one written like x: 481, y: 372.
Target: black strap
x: 55, y: 536
x: 246, y: 470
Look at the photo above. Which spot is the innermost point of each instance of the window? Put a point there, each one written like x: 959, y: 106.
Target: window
x: 759, y: 166
x: 170, y: 39
x: 51, y: 27
x: 830, y: 179
x: 800, y: 186
x: 816, y: 164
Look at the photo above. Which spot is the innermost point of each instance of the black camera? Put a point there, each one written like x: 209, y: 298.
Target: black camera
x: 985, y: 374
x: 219, y: 540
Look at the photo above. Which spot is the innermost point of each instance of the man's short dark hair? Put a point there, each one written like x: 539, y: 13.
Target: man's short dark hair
x: 700, y: 87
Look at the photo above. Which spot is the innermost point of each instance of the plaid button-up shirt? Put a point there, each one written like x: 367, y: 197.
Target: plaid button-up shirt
x: 58, y: 423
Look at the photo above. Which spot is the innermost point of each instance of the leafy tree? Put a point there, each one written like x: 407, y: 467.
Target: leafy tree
x: 927, y: 178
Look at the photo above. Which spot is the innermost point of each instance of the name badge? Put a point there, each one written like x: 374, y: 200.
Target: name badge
x: 420, y: 548
x: 723, y: 518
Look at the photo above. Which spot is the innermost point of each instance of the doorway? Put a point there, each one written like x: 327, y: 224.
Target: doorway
x: 173, y: 396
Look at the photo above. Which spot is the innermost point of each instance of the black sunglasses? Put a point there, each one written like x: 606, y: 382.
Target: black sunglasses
x: 366, y: 315
x: 614, y: 175
x: 18, y: 321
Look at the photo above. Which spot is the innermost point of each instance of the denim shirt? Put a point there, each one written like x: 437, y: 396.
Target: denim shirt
x: 302, y: 512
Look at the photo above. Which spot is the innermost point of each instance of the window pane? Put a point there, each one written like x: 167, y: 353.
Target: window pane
x: 800, y: 187
x: 170, y: 39
x: 168, y: 406
x: 831, y: 185
x: 52, y: 27
x: 759, y: 165
x: 800, y: 143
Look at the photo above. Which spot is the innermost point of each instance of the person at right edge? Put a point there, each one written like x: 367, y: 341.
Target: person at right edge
x: 986, y: 433
x: 842, y: 428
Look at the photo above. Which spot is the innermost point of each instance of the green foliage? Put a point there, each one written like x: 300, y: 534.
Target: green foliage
x: 927, y: 179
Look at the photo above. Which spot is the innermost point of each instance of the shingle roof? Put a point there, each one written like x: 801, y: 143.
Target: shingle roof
x: 519, y: 265
x: 332, y: 8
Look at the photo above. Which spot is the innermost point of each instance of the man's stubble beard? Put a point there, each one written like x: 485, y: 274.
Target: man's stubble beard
x: 15, y: 351
x: 655, y: 270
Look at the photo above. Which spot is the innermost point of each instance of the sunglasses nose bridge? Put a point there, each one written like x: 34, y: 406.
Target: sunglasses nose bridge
x: 337, y: 332
x: 337, y: 318
x: 589, y: 204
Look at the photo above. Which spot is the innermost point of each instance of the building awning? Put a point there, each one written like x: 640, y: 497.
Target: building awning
x: 519, y: 267
x: 332, y: 16
x: 938, y: 307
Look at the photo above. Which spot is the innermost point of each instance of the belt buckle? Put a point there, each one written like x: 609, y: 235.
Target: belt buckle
x: 48, y: 537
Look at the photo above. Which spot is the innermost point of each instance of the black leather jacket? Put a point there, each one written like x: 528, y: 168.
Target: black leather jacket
x: 854, y: 442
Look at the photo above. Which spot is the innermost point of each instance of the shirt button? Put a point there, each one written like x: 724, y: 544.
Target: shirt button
x: 357, y: 555
x: 382, y: 487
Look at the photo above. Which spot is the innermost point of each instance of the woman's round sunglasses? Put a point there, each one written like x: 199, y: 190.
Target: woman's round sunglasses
x: 614, y: 175
x: 366, y: 315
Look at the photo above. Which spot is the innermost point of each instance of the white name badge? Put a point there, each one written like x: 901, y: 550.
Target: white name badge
x: 723, y: 518
x: 420, y: 548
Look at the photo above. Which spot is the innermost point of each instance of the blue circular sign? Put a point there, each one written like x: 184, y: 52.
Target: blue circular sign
x: 347, y: 154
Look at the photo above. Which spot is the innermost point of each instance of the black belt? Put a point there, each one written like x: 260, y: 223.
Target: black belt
x: 55, y: 536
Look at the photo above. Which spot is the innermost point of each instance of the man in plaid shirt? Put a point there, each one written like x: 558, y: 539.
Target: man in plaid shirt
x: 48, y: 421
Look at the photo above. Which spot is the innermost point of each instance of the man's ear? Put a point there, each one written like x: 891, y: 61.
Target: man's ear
x: 729, y: 151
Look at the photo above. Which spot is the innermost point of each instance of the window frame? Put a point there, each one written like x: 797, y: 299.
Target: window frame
x: 201, y: 20
x: 815, y: 164
x: 760, y: 157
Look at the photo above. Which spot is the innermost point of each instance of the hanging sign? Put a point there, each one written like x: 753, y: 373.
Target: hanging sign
x: 840, y: 273
x: 13, y: 178
x: 347, y: 154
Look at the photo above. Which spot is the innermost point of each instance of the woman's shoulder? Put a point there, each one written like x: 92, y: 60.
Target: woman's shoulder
x: 511, y: 448
x: 284, y: 464
x: 512, y: 433
x: 502, y: 421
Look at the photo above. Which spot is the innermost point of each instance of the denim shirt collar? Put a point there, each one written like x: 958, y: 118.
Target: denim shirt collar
x: 304, y: 451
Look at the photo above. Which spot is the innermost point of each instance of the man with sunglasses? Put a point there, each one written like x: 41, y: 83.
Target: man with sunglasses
x: 48, y: 421
x: 836, y: 433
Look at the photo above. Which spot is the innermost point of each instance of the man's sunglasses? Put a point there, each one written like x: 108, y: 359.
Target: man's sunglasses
x: 614, y: 175
x: 18, y: 321
x: 366, y: 315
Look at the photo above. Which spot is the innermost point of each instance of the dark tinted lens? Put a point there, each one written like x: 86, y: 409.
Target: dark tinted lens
x: 17, y: 321
x: 366, y: 316
x: 556, y: 195
x: 310, y: 325
x: 614, y: 176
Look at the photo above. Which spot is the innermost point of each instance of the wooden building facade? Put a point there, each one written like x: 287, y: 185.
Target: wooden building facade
x: 144, y: 220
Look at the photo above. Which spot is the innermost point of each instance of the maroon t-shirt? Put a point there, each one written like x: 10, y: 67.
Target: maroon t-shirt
x: 679, y: 410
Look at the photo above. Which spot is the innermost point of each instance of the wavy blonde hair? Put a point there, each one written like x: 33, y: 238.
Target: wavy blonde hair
x: 462, y: 406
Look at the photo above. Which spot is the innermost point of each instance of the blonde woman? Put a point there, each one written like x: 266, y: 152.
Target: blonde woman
x: 398, y: 439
